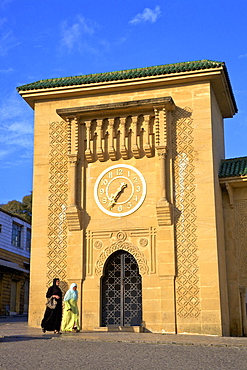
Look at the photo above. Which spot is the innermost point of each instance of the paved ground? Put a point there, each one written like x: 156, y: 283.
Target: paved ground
x: 27, y: 348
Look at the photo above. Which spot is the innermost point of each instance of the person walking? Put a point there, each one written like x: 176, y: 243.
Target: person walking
x: 70, y: 320
x: 53, y: 317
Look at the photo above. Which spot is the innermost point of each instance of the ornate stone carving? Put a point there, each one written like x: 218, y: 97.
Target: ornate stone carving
x: 126, y: 246
x: 157, y: 127
x: 121, y: 235
x: 187, y: 281
x: 57, y: 202
x: 143, y: 242
x: 98, y: 244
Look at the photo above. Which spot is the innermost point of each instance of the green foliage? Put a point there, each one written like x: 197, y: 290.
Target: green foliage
x: 22, y: 209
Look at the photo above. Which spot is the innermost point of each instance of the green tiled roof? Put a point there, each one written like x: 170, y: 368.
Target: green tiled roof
x: 124, y: 75
x: 233, y: 167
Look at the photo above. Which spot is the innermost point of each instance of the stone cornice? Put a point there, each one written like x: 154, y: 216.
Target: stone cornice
x: 124, y: 107
x: 235, y: 182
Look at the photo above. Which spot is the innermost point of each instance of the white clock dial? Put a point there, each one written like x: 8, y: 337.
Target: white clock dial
x: 120, y: 190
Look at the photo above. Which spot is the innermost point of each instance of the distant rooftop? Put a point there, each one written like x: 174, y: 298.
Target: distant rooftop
x: 234, y: 167
x: 12, y: 214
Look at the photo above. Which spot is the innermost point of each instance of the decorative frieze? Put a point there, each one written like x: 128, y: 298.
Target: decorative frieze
x: 129, y: 240
x: 187, y: 280
x: 57, y: 202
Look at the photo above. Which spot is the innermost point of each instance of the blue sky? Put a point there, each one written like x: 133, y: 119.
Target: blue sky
x: 58, y: 38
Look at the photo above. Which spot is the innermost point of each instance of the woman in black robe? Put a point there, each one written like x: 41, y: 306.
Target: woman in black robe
x: 53, y: 317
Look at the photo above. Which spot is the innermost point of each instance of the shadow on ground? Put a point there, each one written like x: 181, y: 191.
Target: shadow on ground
x: 22, y: 338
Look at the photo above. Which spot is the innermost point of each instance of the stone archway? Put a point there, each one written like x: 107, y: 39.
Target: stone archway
x: 121, y: 291
x: 126, y: 246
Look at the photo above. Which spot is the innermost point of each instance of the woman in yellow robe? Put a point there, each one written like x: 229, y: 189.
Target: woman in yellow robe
x: 70, y: 320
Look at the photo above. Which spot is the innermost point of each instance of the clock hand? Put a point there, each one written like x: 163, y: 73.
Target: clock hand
x: 114, y: 197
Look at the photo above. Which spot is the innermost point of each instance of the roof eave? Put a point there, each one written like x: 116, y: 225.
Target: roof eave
x: 217, y: 76
x: 234, y: 181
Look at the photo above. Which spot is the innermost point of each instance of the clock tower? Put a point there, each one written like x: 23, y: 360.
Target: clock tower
x: 123, y: 152
x: 127, y: 197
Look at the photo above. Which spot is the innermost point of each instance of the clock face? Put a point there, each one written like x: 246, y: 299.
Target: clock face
x: 120, y: 190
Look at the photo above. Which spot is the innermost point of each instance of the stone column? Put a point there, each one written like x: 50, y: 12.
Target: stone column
x: 72, y: 213
x: 73, y: 161
x: 163, y: 207
x: 146, y: 144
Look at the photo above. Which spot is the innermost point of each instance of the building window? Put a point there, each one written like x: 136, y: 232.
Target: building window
x: 16, y: 235
x: 1, y: 228
x: 28, y: 240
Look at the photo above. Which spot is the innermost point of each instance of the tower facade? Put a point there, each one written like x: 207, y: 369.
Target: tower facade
x: 127, y: 201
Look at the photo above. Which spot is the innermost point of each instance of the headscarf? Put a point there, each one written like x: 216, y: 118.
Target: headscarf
x: 55, y: 288
x: 71, y: 293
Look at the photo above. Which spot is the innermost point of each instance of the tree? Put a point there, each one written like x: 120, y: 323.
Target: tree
x: 22, y: 209
x: 27, y: 206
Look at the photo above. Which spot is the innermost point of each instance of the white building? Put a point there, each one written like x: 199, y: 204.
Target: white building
x: 15, y: 243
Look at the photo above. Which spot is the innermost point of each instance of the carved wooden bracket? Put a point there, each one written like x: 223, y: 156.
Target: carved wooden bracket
x: 100, y: 152
x: 135, y: 147
x: 230, y: 194
x: 112, y: 151
x: 88, y: 151
x: 123, y: 148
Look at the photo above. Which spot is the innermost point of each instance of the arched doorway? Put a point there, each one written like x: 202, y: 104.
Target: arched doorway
x: 121, y: 288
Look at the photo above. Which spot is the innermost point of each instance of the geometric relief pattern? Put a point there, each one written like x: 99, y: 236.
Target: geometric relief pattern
x: 57, y: 202
x: 121, y: 291
x: 126, y: 246
x: 187, y: 281
x: 241, y: 235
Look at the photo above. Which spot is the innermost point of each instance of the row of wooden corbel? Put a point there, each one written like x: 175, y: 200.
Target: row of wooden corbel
x: 124, y: 135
